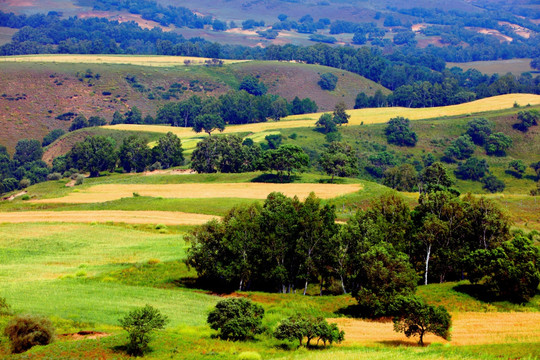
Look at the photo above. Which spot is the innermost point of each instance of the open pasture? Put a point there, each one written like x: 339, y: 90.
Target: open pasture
x: 108, y: 192
x: 142, y: 60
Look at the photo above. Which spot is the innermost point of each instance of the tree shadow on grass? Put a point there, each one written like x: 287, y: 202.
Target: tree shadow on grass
x: 329, y: 181
x: 477, y: 291
x: 203, y: 284
x: 397, y: 343
x: 274, y: 179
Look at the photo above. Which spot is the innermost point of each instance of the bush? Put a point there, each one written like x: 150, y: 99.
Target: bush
x: 328, y: 81
x: 493, y: 184
x: 398, y: 132
x: 236, y: 319
x: 139, y: 323
x: 54, y: 176
x: 5, y: 308
x: 472, y: 169
x: 79, y: 179
x: 26, y: 331
x: 24, y: 183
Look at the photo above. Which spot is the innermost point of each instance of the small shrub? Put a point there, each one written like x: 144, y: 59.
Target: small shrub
x: 139, y: 323
x: 54, y: 176
x: 153, y: 261
x: 26, y: 331
x: 79, y: 179
x: 5, y: 308
x: 25, y: 197
x: 136, y: 194
x: 24, y: 183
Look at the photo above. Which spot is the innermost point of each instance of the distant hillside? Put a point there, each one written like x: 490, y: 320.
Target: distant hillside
x: 34, y: 93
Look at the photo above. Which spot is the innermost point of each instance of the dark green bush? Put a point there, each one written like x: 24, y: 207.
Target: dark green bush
x: 26, y: 331
x: 236, y: 319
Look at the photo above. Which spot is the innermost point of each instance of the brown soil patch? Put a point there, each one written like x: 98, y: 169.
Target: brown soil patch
x: 81, y: 335
x: 119, y: 216
x: 9, y: 198
x: 468, y: 328
x: 109, y: 192
x: 170, y: 172
x: 492, y: 32
x: 123, y: 17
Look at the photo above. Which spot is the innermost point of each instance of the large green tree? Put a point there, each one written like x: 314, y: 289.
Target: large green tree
x: 168, y: 151
x: 339, y: 159
x: 398, y: 132
x: 134, y: 154
x: 286, y: 159
x: 94, y: 154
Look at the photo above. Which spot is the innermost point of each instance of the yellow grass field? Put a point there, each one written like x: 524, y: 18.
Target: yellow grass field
x: 141, y: 60
x: 108, y: 192
x: 118, y: 216
x: 468, y: 328
x: 359, y: 116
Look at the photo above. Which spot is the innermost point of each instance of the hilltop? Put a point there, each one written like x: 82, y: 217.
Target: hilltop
x: 37, y: 89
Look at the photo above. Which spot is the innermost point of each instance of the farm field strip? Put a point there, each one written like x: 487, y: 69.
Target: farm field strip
x: 102, y: 216
x: 358, y: 117
x: 141, y: 60
x: 108, y: 192
x: 468, y: 328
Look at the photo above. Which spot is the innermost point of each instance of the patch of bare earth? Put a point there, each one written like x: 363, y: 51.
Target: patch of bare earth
x: 9, y: 198
x: 82, y: 335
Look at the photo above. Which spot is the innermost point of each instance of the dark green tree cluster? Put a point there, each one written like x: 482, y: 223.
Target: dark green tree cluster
x: 328, y: 81
x: 235, y: 107
x: 281, y: 246
x: 298, y: 327
x: 339, y: 159
x: 98, y: 153
x: 253, y: 86
x: 25, y: 168
x: 398, y: 132
x: 377, y: 255
x: 508, y: 271
x: 328, y: 124
x: 527, y: 119
x: 229, y: 154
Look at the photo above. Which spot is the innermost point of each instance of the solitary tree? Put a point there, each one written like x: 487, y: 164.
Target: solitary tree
x: 168, y: 151
x: 417, y: 318
x: 326, y: 124
x: 497, y: 144
x: 479, y: 130
x: 208, y: 123
x: 286, y: 158
x: 139, y: 323
x: 340, y: 116
x: 236, y: 319
x: 339, y: 159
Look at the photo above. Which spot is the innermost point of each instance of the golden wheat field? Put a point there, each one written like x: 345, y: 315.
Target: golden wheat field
x: 101, y: 216
x: 141, y: 60
x: 468, y: 328
x: 359, y: 116
x: 109, y: 192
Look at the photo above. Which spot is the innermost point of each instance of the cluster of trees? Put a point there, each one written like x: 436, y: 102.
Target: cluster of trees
x: 249, y: 105
x: 527, y: 119
x: 25, y: 168
x: 98, y: 153
x: 398, y: 132
x: 229, y: 154
x: 285, y: 244
x: 328, y: 123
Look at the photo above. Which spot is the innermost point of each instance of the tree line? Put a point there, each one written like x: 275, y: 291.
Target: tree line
x: 379, y: 254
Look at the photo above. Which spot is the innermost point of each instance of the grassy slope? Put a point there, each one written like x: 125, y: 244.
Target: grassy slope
x: 52, y: 87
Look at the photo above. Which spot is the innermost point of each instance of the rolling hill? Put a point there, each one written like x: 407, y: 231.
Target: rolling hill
x: 37, y: 89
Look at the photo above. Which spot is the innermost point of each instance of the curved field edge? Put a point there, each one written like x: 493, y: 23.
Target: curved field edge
x: 358, y: 116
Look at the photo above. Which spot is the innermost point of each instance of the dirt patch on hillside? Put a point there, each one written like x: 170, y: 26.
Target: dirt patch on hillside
x: 82, y: 335
x: 9, y: 198
x: 123, y: 17
x: 170, y: 172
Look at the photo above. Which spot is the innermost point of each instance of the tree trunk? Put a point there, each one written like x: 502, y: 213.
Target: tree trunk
x: 427, y: 263
x: 241, y: 283
x: 342, y: 284
x: 305, y: 287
